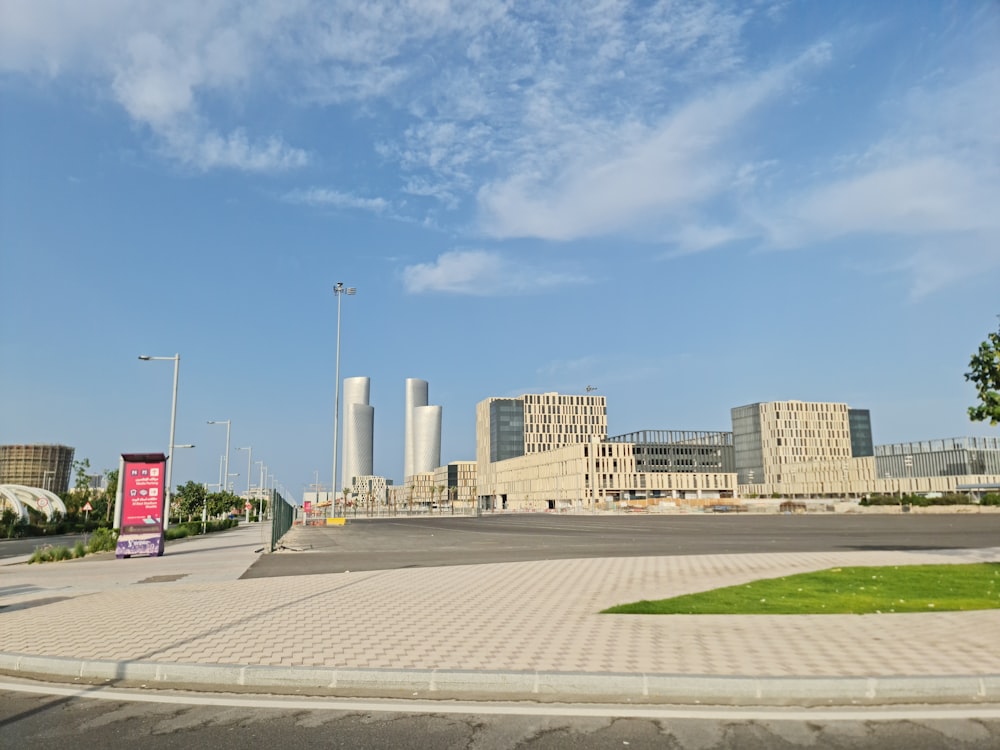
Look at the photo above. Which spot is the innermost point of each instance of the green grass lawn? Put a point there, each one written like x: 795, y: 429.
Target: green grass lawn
x: 875, y: 590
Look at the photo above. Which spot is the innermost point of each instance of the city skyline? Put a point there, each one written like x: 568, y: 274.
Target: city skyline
x: 689, y: 206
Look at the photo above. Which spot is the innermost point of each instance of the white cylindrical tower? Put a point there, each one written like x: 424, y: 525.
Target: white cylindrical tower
x: 357, y: 437
x: 358, y: 457
x: 427, y: 438
x: 416, y: 396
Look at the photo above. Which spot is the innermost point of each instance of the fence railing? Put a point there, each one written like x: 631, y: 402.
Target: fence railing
x: 282, y: 516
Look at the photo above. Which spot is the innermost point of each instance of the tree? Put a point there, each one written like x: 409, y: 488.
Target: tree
x: 190, y: 498
x: 110, y: 492
x: 10, y: 523
x: 80, y: 494
x: 985, y: 373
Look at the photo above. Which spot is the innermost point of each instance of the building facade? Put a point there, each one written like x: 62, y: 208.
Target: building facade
x: 951, y: 457
x: 550, y: 451
x: 46, y: 466
x: 815, y: 449
x: 770, y: 437
x: 681, y: 450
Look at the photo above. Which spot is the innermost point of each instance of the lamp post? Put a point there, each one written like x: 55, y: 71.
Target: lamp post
x: 173, y: 422
x: 339, y: 290
x: 249, y: 450
x: 225, y: 474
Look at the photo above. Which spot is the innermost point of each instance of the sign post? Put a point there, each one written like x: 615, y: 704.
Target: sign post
x: 142, y: 494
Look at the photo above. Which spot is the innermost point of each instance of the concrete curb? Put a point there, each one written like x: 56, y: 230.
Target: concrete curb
x: 639, y: 688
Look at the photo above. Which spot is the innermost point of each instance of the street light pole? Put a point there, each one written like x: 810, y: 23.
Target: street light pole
x: 173, y: 423
x: 249, y: 450
x: 228, y: 424
x: 339, y: 290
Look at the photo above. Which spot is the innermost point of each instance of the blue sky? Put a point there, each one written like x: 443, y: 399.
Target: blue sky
x: 689, y: 205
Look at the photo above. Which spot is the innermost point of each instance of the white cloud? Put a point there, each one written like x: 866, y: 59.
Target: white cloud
x: 916, y: 197
x: 336, y: 199
x: 924, y: 195
x: 159, y: 61
x: 482, y: 273
x: 634, y: 173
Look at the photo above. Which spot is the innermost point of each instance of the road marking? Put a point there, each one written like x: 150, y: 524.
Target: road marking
x: 415, y: 706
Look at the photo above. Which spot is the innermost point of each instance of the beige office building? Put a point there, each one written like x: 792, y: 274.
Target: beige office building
x: 551, y: 451
x: 801, y: 449
x: 453, y: 483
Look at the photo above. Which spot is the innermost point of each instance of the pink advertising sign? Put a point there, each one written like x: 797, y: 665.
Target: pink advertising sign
x: 142, y: 494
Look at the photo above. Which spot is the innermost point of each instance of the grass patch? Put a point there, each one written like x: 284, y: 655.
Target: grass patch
x: 837, y: 591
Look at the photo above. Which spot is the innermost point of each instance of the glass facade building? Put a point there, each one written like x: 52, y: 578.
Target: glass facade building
x: 859, y: 422
x: 506, y: 429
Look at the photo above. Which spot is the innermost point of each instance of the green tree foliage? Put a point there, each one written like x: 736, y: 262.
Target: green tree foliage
x: 11, y: 524
x: 190, y: 498
x: 110, y: 493
x: 224, y: 503
x: 985, y: 373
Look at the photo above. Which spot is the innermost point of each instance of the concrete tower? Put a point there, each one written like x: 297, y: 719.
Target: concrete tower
x: 416, y: 396
x: 359, y: 428
x: 427, y: 438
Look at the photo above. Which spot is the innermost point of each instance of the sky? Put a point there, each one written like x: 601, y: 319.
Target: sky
x: 689, y: 206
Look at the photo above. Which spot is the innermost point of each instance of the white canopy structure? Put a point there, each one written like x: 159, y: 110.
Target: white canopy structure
x: 19, y: 498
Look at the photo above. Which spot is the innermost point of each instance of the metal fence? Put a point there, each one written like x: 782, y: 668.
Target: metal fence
x: 282, y: 516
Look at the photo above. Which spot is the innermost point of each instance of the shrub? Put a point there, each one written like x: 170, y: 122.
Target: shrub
x: 79, y: 550
x: 176, y: 532
x: 990, y: 498
x: 103, y: 540
x: 50, y: 554
x: 41, y: 554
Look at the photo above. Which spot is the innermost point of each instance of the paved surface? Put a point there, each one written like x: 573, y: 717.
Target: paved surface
x: 439, y: 540
x: 520, y: 630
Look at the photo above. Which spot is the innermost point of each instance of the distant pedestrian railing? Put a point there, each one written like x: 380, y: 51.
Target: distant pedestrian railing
x: 282, y: 515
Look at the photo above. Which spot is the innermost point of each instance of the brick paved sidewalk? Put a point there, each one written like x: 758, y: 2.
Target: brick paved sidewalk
x: 532, y: 617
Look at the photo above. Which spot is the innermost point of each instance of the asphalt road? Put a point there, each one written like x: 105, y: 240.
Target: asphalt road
x: 381, y: 544
x: 55, y: 722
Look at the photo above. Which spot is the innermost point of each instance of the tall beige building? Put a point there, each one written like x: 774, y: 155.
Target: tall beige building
x: 770, y: 437
x: 534, y: 423
x: 817, y: 449
x: 551, y: 451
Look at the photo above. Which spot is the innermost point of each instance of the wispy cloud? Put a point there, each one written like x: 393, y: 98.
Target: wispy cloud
x: 484, y: 274
x: 662, y: 121
x: 925, y: 192
x: 192, y: 147
x: 160, y: 62
x: 635, y: 174
x: 336, y: 199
